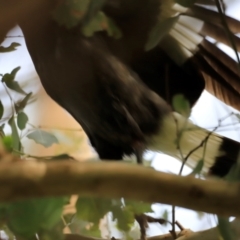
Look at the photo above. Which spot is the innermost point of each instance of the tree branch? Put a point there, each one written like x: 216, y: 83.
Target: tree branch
x: 21, y: 179
x: 209, y: 234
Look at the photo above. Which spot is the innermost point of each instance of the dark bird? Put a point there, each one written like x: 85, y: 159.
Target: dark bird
x: 122, y: 94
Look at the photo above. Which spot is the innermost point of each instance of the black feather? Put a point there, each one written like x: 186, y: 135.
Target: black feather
x: 119, y: 93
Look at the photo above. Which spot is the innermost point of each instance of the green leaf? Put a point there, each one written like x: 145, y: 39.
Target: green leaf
x: 100, y: 22
x: 8, y: 143
x: 234, y: 173
x: 10, y: 48
x: 70, y: 12
x: 91, y: 231
x: 19, y: 106
x: 8, y: 79
x: 16, y: 143
x: 22, y: 120
x: 13, y: 85
x: 198, y: 168
x: 125, y: 218
x: 14, y: 72
x: 160, y: 30
x: 42, y: 137
x: 181, y: 105
x: 1, y: 109
x: 93, y: 9
x: 225, y: 229
x: 113, y: 30
x: 138, y: 207
x: 186, y: 3
x: 92, y: 209
x: 26, y: 218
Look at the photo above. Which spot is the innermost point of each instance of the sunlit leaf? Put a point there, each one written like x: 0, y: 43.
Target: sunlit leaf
x: 22, y: 120
x: 160, y: 30
x: 42, y: 137
x: 1, y: 109
x: 16, y: 143
x: 10, y: 48
x: 181, y: 105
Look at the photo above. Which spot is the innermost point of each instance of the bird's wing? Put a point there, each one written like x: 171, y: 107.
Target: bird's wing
x: 195, y: 37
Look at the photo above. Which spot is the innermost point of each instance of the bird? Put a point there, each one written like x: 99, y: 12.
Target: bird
x: 120, y: 90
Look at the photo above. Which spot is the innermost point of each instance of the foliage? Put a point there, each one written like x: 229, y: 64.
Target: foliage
x: 88, y: 14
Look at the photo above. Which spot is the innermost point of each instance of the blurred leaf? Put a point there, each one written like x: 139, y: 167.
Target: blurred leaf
x: 198, y: 168
x: 185, y: 3
x: 55, y: 233
x: 42, y: 137
x: 181, y: 105
x: 225, y: 229
x: 98, y: 23
x: 160, y: 30
x: 22, y: 120
x: 113, y: 30
x: 19, y: 106
x: 92, y: 209
x: 16, y: 143
x: 25, y: 218
x: 10, y: 48
x: 8, y: 143
x: 93, y: 9
x: 7, y: 231
x: 101, y: 22
x: 1, y: 109
x: 234, y: 173
x: 165, y: 215
x: 138, y: 207
x: 70, y: 12
x: 91, y: 231
x: 125, y: 218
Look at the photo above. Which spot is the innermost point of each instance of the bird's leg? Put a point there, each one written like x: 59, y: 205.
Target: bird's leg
x: 143, y: 221
x: 138, y: 149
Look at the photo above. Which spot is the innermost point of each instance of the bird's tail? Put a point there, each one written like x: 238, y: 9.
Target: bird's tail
x: 180, y: 138
x: 195, y: 37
